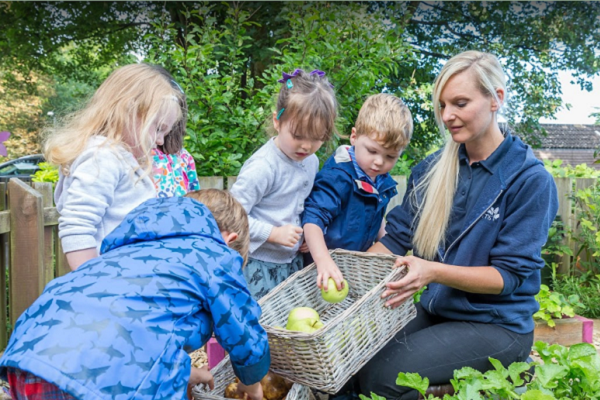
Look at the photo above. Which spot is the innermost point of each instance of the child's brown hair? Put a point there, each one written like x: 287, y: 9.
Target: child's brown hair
x: 387, y: 119
x: 229, y: 214
x: 307, y: 103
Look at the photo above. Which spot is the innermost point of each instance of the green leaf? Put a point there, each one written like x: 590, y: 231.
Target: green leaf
x: 414, y: 381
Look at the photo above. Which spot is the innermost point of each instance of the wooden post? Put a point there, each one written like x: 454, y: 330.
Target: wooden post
x: 3, y: 268
x: 26, y: 246
x: 401, y: 188
x: 564, y: 187
x: 62, y: 265
x: 45, y: 189
x: 211, y: 182
x: 230, y: 181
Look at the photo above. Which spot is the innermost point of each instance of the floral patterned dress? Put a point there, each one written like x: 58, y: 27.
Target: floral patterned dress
x: 174, y: 174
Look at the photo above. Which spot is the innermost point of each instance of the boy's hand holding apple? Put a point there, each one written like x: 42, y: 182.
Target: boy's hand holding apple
x: 326, y: 269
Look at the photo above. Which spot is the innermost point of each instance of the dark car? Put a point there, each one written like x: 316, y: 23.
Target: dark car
x: 22, y: 167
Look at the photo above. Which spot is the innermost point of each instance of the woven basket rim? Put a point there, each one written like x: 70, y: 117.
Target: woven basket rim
x: 393, y: 274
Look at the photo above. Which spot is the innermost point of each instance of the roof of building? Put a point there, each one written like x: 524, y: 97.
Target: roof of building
x: 570, y: 137
x: 571, y: 157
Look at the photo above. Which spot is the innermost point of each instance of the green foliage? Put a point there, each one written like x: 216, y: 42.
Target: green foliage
x: 46, y: 173
x: 417, y: 295
x: 579, y: 171
x: 229, y: 53
x: 586, y: 286
x: 570, y: 373
x: 566, y: 373
x: 587, y: 234
x: 555, y: 305
x: 403, y: 166
x: 230, y: 106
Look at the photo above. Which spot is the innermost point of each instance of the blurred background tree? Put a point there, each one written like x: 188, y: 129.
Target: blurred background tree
x: 229, y: 55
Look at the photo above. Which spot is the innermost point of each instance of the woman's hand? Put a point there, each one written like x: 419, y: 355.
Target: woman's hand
x: 200, y: 376
x: 420, y: 273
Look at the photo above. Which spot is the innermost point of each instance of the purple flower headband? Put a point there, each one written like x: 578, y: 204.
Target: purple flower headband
x: 287, y: 77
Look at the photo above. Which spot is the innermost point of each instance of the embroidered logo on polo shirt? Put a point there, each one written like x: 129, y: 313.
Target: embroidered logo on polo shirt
x: 366, y: 186
x: 492, y: 214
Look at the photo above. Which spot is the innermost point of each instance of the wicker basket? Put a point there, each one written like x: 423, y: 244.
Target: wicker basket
x: 223, y: 375
x: 354, y: 330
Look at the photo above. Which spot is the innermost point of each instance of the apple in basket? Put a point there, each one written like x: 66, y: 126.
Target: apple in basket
x: 333, y: 295
x: 304, y: 319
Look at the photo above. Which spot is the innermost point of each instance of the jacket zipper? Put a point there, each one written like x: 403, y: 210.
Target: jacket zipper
x: 459, y: 237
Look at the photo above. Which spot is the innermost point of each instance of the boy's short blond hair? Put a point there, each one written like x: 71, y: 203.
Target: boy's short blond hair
x: 229, y: 214
x: 385, y: 118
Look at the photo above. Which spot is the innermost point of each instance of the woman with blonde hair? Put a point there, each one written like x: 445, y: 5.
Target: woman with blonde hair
x: 104, y: 154
x: 476, y: 215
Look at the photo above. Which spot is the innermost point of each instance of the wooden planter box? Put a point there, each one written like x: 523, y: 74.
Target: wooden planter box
x: 568, y: 331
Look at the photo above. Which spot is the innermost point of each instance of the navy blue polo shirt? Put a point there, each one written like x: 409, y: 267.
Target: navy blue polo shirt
x: 471, y: 181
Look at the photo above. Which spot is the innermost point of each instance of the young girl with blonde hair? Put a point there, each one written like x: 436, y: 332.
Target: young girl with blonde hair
x: 275, y: 181
x: 476, y: 215
x: 104, y: 155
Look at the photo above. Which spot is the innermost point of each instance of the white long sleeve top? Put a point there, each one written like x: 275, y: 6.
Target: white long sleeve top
x: 102, y: 187
x: 272, y: 189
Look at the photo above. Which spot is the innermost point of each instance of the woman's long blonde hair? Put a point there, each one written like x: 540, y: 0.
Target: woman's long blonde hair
x: 122, y: 110
x: 434, y: 194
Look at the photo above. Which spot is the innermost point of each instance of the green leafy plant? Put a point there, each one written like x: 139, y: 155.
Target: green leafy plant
x: 46, y: 173
x: 564, y: 373
x: 403, y: 166
x: 555, y: 305
x: 231, y: 90
x: 579, y: 171
x: 587, y: 234
x: 586, y: 286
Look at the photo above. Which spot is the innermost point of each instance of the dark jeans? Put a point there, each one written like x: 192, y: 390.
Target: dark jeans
x: 434, y: 347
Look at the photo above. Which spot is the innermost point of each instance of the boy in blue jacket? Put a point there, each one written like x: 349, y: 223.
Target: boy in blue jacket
x: 348, y: 201
x: 122, y: 324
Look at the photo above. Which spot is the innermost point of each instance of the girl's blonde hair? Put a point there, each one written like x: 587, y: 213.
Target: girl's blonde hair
x: 308, y: 105
x: 229, y: 214
x: 123, y: 109
x: 437, y: 187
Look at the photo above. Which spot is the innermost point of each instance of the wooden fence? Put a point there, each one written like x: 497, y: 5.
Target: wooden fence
x: 31, y: 254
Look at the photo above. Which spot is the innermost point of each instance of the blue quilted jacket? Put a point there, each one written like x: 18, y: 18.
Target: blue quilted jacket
x: 121, y: 326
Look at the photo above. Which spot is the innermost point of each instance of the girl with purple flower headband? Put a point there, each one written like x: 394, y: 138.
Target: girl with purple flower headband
x: 273, y: 184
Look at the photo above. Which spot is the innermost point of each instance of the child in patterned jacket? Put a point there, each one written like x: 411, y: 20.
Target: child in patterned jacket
x: 173, y: 167
x: 121, y: 325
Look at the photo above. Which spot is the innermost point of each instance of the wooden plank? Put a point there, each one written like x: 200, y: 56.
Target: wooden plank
x: 230, y: 181
x: 50, y: 216
x: 564, y: 187
x: 568, y: 331
x: 45, y: 189
x: 62, y: 265
x: 4, y: 254
x: 26, y: 247
x: 401, y: 188
x: 4, y: 222
x: 211, y: 182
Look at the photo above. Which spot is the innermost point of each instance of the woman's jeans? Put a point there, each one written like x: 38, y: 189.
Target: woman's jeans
x: 434, y: 347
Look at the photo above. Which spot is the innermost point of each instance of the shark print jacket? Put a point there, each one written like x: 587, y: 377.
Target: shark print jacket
x: 121, y: 325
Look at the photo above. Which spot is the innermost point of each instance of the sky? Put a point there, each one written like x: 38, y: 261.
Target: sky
x: 582, y: 102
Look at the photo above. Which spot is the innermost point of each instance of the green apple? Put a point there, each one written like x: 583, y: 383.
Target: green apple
x: 333, y: 295
x: 304, y: 319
